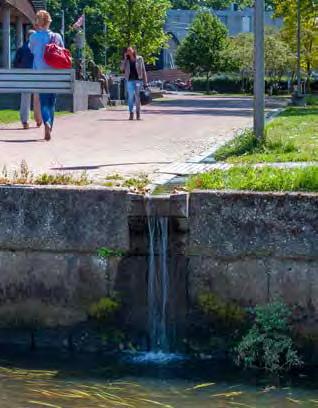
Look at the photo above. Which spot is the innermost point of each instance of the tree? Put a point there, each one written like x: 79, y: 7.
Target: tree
x: 239, y: 56
x: 279, y: 59
x: 200, y: 53
x: 94, y: 22
x: 215, y: 4
x: 309, y: 29
x: 137, y: 23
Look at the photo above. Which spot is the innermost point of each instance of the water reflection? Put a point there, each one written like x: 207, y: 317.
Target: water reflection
x: 66, y: 381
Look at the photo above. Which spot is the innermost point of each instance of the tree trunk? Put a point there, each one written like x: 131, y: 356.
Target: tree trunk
x: 207, y: 87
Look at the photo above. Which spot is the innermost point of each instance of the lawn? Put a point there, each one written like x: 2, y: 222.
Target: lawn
x: 291, y: 137
x: 257, y: 179
x: 11, y: 116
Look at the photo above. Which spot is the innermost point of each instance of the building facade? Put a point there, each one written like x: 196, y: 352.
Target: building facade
x: 15, y: 18
x: 237, y: 22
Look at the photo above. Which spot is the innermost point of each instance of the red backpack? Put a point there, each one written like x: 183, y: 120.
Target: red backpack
x: 56, y: 56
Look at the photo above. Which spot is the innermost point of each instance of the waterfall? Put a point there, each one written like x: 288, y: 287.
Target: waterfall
x: 158, y: 283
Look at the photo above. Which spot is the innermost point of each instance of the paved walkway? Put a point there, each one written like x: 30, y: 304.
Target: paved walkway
x: 104, y: 142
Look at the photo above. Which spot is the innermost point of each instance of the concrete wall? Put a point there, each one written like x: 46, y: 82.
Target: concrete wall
x: 254, y: 248
x: 244, y: 247
x: 49, y: 268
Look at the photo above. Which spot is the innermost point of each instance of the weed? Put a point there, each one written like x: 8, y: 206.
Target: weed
x: 138, y: 183
x: 62, y: 179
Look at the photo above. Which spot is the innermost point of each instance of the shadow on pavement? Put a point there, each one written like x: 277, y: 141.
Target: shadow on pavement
x: 198, y: 112
x: 21, y: 141
x: 99, y: 166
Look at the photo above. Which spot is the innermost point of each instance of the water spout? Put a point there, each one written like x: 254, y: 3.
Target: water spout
x: 158, y: 283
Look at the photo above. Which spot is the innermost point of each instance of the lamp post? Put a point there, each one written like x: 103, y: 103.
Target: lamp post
x: 63, y: 25
x: 259, y: 69
x: 299, y: 90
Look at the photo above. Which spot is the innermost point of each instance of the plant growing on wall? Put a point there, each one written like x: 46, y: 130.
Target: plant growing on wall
x: 104, y: 310
x: 268, y: 344
x: 104, y: 314
x: 105, y: 252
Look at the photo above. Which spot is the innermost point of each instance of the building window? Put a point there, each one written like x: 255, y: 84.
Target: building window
x: 247, y: 24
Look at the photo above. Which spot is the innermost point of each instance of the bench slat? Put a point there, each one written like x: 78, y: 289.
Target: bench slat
x: 28, y: 77
x: 38, y: 91
x: 38, y: 72
x: 34, y: 84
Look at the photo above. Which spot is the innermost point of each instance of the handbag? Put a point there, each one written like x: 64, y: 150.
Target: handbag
x: 145, y: 96
x: 56, y: 56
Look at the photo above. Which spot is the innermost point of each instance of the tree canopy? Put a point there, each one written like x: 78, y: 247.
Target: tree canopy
x: 309, y: 29
x: 137, y: 23
x: 200, y: 53
x: 128, y: 22
x: 215, y: 4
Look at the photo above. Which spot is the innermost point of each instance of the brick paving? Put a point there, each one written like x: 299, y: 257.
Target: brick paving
x: 104, y: 142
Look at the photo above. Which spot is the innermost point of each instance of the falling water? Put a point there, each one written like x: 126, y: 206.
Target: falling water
x: 158, y: 283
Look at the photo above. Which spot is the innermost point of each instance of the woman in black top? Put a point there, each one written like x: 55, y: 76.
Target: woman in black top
x: 135, y: 72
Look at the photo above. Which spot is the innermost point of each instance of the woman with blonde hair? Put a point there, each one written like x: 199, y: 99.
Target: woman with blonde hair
x: 38, y: 41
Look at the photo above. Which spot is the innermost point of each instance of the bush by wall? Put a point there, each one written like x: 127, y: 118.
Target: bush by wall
x: 218, y: 83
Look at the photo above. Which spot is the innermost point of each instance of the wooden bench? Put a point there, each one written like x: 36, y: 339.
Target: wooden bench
x: 33, y: 81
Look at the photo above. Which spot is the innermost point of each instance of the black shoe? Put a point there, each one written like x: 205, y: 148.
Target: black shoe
x: 138, y: 116
x: 131, y: 116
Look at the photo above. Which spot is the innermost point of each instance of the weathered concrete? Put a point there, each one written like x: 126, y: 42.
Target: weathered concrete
x: 49, y: 238
x: 248, y: 248
x: 59, y: 220
x: 256, y: 224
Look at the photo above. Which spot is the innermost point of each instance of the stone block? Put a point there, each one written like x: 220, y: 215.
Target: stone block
x: 62, y: 219
x: 52, y: 289
x: 243, y: 280
x: 259, y: 224
x: 175, y: 205
x: 296, y: 282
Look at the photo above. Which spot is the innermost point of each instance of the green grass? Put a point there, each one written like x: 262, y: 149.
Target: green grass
x: 9, y: 116
x: 12, y: 116
x: 291, y: 137
x: 257, y: 179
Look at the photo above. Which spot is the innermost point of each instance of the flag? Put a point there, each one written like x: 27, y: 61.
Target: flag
x: 79, y: 22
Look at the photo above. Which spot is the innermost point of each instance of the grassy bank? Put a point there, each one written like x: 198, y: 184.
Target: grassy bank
x: 291, y: 137
x: 257, y: 179
x: 12, y: 116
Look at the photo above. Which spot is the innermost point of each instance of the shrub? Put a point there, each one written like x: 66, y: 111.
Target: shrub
x: 312, y: 100
x: 104, y: 310
x: 218, y: 83
x: 268, y: 344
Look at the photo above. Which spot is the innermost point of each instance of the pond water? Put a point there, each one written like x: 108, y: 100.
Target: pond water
x: 72, y: 381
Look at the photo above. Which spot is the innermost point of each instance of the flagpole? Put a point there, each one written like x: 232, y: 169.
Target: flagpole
x: 84, y: 56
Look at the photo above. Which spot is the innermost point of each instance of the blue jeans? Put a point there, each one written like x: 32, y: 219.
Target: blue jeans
x: 47, y: 108
x: 133, y: 90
